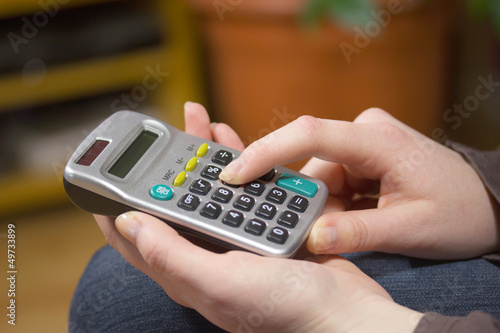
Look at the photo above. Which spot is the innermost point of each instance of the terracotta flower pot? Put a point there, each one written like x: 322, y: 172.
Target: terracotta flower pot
x: 266, y: 69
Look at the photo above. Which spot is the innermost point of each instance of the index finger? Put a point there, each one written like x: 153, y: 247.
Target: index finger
x: 365, y: 145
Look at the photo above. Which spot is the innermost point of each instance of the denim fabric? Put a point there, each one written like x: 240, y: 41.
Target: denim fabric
x: 452, y: 288
x: 113, y: 296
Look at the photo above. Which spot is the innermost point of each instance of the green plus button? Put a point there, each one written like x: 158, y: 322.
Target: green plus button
x: 297, y: 184
x: 161, y: 192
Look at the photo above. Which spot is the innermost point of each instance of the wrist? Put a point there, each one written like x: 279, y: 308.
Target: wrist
x: 376, y: 315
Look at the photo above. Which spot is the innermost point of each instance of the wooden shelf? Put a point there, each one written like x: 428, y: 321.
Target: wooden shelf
x: 74, y: 80
x: 12, y: 8
x: 22, y: 192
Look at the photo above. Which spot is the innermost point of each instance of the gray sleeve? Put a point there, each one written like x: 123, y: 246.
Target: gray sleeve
x: 475, y: 322
x: 486, y: 164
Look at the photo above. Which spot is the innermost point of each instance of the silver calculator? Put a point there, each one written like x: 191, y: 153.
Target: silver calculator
x: 132, y: 161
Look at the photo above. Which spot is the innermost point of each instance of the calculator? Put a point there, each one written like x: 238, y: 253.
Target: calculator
x: 132, y: 161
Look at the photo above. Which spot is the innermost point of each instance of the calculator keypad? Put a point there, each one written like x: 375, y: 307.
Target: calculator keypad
x: 272, y: 215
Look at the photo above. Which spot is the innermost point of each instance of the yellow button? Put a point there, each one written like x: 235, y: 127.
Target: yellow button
x: 180, y: 179
x: 191, y: 164
x: 202, y: 150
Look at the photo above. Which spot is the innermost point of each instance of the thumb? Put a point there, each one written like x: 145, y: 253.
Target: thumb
x: 377, y: 229
x: 160, y: 246
x: 168, y: 258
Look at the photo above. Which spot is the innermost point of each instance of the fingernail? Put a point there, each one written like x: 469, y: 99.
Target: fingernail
x: 212, y: 125
x: 230, y: 171
x: 187, y: 104
x: 324, y: 238
x: 128, y: 225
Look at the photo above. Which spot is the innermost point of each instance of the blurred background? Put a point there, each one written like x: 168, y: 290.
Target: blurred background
x: 65, y: 65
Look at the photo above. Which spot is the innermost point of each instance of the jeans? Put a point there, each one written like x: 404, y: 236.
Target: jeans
x: 113, y: 296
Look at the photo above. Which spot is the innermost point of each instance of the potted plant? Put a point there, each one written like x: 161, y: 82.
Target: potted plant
x: 268, y: 65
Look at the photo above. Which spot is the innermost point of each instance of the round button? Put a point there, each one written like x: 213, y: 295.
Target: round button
x: 161, y: 192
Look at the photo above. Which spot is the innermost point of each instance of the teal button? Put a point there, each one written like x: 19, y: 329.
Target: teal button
x: 161, y: 192
x: 297, y: 184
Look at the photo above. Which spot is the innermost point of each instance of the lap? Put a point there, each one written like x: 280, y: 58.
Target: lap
x: 113, y: 295
x: 452, y: 288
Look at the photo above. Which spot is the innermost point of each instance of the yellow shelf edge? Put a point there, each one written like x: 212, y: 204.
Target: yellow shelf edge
x: 23, y: 191
x: 80, y: 78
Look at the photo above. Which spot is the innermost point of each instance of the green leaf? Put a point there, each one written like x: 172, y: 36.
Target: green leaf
x: 351, y: 12
x: 345, y: 12
x: 495, y: 16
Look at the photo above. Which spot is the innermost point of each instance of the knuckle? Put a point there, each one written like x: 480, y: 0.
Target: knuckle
x: 308, y: 125
x: 261, y: 149
x: 154, y: 257
x: 356, y: 236
x: 111, y: 238
x: 391, y: 133
x: 371, y: 115
x: 311, y: 129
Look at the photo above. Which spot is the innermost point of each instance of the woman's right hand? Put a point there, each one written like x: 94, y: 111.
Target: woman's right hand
x: 429, y: 201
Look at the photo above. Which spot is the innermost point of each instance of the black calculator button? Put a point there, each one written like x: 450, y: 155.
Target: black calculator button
x: 277, y: 195
x: 298, y: 203
x: 222, y: 157
x: 211, y: 210
x: 230, y: 185
x: 222, y: 194
x: 268, y: 176
x: 233, y: 218
x: 189, y: 202
x: 244, y: 202
x: 278, y: 235
x: 200, y: 186
x: 255, y: 188
x: 255, y: 227
x: 211, y: 172
x: 266, y: 210
x: 288, y: 219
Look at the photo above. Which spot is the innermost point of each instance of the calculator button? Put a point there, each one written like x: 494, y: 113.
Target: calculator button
x: 298, y: 203
x: 255, y: 227
x: 244, y: 202
x: 288, y: 219
x: 230, y: 185
x: 222, y: 194
x: 189, y: 202
x: 180, y: 179
x: 202, y: 150
x: 278, y: 235
x: 276, y: 195
x: 191, y: 164
x: 200, y: 186
x: 222, y: 157
x: 255, y: 188
x: 233, y: 218
x: 211, y: 172
x: 161, y: 192
x: 268, y: 176
x: 266, y: 210
x: 211, y: 210
x: 297, y: 184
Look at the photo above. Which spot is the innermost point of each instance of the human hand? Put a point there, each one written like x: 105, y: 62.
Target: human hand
x: 243, y: 292
x: 431, y: 203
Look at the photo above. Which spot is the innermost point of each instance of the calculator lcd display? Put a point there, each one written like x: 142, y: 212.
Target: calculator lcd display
x: 133, y: 154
